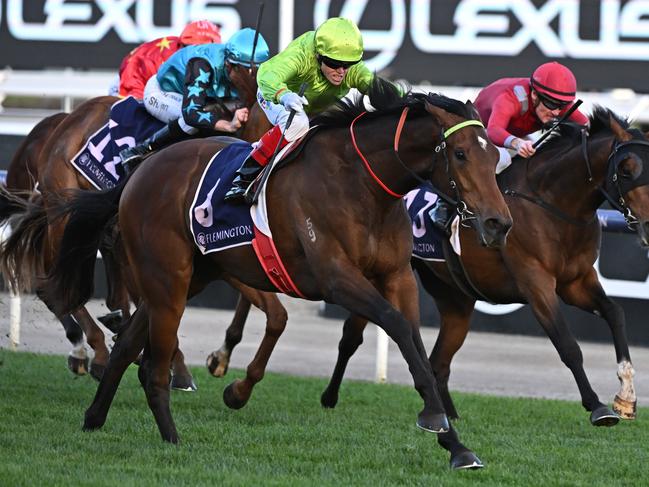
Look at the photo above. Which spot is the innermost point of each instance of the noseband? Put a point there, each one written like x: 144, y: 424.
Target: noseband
x: 462, y: 209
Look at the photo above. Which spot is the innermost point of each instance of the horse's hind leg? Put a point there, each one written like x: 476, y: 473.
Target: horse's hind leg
x: 78, y: 357
x: 237, y: 394
x: 350, y: 341
x: 589, y: 295
x: 181, y: 377
x: 96, y: 339
x: 218, y: 361
x: 126, y: 349
x: 544, y: 301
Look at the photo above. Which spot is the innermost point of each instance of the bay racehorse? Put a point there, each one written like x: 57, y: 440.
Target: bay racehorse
x: 339, y: 226
x: 549, y: 255
x: 45, y: 156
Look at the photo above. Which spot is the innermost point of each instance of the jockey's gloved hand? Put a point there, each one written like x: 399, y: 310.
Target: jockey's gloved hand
x: 293, y: 101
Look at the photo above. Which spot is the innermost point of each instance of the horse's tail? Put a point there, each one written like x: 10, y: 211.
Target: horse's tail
x: 21, y: 254
x: 11, y: 203
x: 71, y: 279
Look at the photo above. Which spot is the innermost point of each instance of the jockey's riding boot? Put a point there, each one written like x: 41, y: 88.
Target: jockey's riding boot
x: 441, y: 214
x: 246, y: 174
x: 168, y: 134
x: 254, y: 163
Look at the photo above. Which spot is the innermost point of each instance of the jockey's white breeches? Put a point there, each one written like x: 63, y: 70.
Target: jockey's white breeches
x: 166, y: 106
x: 278, y: 115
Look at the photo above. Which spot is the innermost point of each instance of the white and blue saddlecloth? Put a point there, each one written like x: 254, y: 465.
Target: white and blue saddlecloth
x: 216, y: 225
x: 427, y: 240
x: 129, y: 124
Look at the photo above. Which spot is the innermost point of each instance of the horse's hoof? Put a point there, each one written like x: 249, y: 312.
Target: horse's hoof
x: 78, y: 366
x: 603, y: 416
x: 467, y: 460
x: 183, y: 383
x: 328, y: 399
x: 231, y: 400
x: 91, y: 423
x: 217, y: 364
x: 626, y: 409
x: 97, y: 371
x: 434, y: 423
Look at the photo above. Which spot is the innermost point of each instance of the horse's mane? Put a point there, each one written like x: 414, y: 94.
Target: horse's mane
x: 387, y: 98
x: 569, y: 134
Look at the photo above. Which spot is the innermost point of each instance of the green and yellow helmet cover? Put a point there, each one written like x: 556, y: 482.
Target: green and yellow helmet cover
x: 339, y: 38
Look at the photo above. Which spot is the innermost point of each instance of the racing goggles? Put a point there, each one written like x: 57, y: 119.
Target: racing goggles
x: 335, y: 64
x: 551, y: 103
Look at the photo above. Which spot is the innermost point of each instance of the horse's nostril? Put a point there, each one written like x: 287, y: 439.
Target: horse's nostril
x: 498, y: 226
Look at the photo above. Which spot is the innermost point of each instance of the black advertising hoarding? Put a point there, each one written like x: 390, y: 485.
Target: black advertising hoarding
x: 444, y: 42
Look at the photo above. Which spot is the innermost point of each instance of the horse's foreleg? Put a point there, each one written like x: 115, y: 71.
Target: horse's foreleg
x: 403, y: 294
x: 237, y: 394
x: 589, y: 295
x: 350, y: 289
x: 218, y: 361
x: 545, y: 305
x: 126, y: 349
x: 455, y: 310
x: 350, y: 341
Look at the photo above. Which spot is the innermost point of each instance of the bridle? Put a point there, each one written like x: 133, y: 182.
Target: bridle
x: 612, y: 183
x: 461, y: 207
x: 615, y: 182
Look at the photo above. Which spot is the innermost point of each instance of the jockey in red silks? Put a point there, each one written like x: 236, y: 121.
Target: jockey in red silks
x: 517, y: 107
x: 328, y: 60
x: 143, y: 61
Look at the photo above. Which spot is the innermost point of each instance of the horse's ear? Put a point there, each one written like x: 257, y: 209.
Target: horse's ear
x: 436, y: 112
x: 475, y: 114
x: 619, y: 132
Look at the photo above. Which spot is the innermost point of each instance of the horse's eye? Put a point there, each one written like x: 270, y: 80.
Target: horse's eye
x: 459, y: 153
x: 631, y: 168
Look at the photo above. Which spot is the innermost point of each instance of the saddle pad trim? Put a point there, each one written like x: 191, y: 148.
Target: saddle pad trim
x: 272, y: 264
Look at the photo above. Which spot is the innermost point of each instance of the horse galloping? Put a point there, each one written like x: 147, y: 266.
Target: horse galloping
x: 34, y: 242
x: 350, y: 200
x: 549, y: 255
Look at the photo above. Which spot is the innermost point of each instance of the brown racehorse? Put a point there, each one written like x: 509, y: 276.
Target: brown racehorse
x: 22, y: 178
x: 549, y: 254
x: 338, y: 222
x: 47, y: 150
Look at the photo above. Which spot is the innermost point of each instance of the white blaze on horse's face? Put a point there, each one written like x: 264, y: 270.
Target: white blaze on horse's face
x: 483, y: 143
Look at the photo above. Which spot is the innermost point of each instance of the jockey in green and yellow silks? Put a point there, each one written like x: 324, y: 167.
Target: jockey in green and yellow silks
x: 329, y: 61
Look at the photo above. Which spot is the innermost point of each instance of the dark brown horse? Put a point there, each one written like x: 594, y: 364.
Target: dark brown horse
x: 339, y: 226
x: 28, y: 253
x: 549, y: 254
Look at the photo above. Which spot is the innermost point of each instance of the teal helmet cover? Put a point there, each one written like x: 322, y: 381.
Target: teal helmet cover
x: 239, y: 47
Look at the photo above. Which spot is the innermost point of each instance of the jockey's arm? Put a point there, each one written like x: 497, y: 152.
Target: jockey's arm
x: 199, y: 77
x: 278, y: 70
x: 503, y: 111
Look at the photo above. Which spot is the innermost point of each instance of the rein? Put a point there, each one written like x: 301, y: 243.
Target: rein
x: 461, y: 206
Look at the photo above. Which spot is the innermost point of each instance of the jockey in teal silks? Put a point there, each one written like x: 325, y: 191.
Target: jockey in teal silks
x: 328, y: 60
x: 189, y: 80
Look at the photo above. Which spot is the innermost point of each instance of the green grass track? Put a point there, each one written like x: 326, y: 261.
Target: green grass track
x: 283, y: 437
